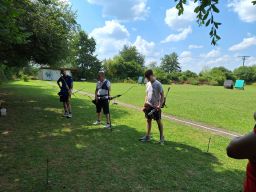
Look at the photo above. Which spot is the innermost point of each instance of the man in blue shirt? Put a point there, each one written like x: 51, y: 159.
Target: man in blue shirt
x: 65, y: 83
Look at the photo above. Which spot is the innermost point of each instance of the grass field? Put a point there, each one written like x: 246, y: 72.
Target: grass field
x: 83, y: 157
x: 228, y: 109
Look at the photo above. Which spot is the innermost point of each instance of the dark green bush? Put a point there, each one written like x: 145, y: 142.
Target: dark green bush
x: 246, y: 73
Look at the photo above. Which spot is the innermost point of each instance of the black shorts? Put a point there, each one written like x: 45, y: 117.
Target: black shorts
x: 155, y: 115
x: 102, y: 104
x: 64, y: 97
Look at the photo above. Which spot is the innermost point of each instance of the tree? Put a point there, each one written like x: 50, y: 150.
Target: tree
x: 228, y: 74
x: 170, y: 63
x: 205, y: 12
x: 152, y: 65
x: 130, y: 53
x: 246, y: 73
x: 128, y: 64
x: 85, y: 59
x: 190, y: 74
x: 12, y: 34
x: 41, y: 31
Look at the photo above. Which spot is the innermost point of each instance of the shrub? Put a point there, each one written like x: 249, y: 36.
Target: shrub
x: 25, y: 78
x: 129, y: 80
x: 31, y: 71
x: 203, y: 80
x: 246, y: 73
x: 161, y: 76
x: 213, y: 83
x: 193, y: 81
x: 189, y: 74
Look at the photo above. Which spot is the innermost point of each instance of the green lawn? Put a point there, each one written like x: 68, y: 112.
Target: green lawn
x: 216, y: 106
x: 89, y: 158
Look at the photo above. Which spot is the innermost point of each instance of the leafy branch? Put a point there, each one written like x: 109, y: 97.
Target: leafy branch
x: 205, y: 15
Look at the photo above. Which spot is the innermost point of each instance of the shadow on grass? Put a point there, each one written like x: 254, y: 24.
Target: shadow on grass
x: 83, y: 157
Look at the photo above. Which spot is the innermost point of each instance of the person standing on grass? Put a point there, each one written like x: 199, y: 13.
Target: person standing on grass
x: 245, y: 148
x: 102, y: 96
x: 153, y: 101
x: 65, y: 83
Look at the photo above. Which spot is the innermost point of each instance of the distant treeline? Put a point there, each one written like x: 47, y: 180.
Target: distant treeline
x: 129, y: 64
x: 215, y: 76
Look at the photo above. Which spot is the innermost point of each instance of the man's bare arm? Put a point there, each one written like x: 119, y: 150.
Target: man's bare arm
x: 243, y: 147
x: 162, y: 99
x: 109, y: 91
x: 96, y: 91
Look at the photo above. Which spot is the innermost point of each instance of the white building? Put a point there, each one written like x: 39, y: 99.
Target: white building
x: 48, y: 74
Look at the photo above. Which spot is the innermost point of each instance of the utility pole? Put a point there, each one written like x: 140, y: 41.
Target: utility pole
x: 244, y: 58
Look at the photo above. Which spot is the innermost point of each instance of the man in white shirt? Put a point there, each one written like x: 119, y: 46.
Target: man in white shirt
x: 153, y: 102
x: 102, y: 95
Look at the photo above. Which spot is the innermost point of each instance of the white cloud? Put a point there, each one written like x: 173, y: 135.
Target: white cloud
x: 245, y: 10
x: 179, y: 36
x: 246, y: 43
x: 186, y: 54
x: 110, y: 38
x: 111, y: 29
x: 211, y: 54
x: 123, y: 9
x: 173, y: 20
x: 185, y: 57
x: 146, y: 48
x: 195, y: 46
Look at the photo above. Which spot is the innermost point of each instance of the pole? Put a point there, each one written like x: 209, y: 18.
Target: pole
x: 109, y: 116
x: 244, y: 59
x: 209, y: 142
x: 47, y: 172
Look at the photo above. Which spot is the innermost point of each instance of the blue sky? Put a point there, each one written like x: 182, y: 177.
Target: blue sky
x: 155, y: 29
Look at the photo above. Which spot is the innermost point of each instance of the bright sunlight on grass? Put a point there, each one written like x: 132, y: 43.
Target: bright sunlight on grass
x: 83, y: 157
x: 228, y: 109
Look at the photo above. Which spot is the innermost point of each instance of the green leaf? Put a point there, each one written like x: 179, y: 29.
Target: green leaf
x: 206, y: 16
x: 197, y: 9
x: 208, y: 22
x: 218, y: 37
x: 213, y: 41
x: 215, y: 9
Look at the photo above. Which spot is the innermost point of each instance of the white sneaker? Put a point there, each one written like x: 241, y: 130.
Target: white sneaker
x: 107, y: 126
x: 97, y: 122
x: 69, y: 115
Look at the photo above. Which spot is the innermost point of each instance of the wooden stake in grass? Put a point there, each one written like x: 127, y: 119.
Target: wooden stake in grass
x: 209, y: 142
x: 47, y: 171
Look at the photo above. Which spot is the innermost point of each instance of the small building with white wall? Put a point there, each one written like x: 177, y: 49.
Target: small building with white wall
x: 49, y: 74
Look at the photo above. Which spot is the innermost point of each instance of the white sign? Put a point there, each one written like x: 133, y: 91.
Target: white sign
x: 50, y: 74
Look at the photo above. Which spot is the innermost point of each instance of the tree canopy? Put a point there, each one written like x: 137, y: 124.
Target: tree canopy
x: 129, y: 63
x: 85, y: 60
x: 38, y: 31
x: 170, y: 63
